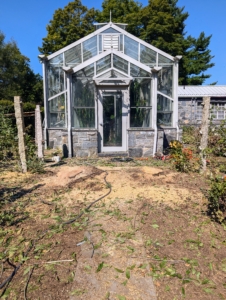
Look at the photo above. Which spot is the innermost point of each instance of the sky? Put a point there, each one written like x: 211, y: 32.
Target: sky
x: 25, y: 22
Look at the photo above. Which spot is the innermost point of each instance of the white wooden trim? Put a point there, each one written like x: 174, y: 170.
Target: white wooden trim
x: 51, y: 98
x: 45, y: 89
x: 90, y: 61
x: 133, y: 61
x: 124, y: 117
x: 69, y: 114
x: 142, y: 42
x: 175, y: 96
x: 78, y: 42
x: 98, y: 31
x: 164, y: 95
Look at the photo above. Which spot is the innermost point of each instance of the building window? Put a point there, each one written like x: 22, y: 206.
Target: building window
x: 140, y: 103
x: 83, y: 98
x: 57, y: 111
x: 164, y: 111
x: 217, y: 111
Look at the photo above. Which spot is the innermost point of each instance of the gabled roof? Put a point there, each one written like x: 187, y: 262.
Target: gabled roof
x: 111, y: 26
x: 201, y: 91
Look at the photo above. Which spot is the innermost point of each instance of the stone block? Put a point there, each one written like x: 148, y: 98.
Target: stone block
x: 132, y: 140
x: 135, y: 152
x: 147, y: 152
x: 82, y: 153
x: 141, y: 136
x: 87, y: 145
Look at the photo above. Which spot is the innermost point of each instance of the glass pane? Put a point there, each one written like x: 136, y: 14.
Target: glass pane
x: 100, y: 43
x: 165, y: 81
x: 89, y: 48
x: 164, y: 111
x: 164, y: 60
x: 138, y: 72
x: 112, y: 120
x: 140, y: 92
x: 120, y: 64
x: 147, y: 55
x: 110, y: 30
x: 112, y: 74
x: 140, y: 117
x: 121, y: 42
x: 82, y: 92
x: 103, y: 64
x: 87, y: 72
x: 57, y: 111
x: 130, y: 47
x: 73, y: 56
x: 84, y: 118
x: 55, y: 76
x: 164, y: 119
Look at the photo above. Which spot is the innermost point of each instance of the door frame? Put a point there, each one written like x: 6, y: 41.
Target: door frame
x: 125, y: 114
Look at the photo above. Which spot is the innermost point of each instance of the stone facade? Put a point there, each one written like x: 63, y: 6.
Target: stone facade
x: 141, y: 142
x: 85, y: 142
x: 188, y: 112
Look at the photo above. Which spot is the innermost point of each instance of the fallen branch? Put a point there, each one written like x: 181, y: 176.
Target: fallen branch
x: 29, y: 277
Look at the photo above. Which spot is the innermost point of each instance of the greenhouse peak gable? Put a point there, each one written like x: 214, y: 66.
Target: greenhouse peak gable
x: 110, y: 92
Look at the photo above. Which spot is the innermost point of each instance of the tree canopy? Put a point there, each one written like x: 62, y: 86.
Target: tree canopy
x: 16, y: 77
x: 69, y: 24
x: 160, y: 23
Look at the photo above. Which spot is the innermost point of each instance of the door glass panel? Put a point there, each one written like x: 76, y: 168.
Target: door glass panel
x: 112, y: 120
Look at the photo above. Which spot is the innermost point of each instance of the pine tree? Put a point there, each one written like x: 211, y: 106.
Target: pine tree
x: 161, y: 23
x: 122, y: 11
x: 68, y: 25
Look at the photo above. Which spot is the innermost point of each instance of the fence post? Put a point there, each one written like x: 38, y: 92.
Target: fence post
x: 204, y: 131
x: 18, y: 106
x: 38, y: 131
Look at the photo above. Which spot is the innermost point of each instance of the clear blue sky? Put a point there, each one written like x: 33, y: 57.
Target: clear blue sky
x: 25, y: 21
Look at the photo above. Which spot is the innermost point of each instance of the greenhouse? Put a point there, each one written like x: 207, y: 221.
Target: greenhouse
x: 110, y: 93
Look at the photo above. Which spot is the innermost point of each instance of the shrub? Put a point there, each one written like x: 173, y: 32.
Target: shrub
x: 217, y: 200
x: 183, y: 158
x: 217, y: 139
x: 8, y: 137
x: 190, y: 135
x: 7, y: 106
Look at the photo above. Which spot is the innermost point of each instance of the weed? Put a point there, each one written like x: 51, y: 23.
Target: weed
x: 217, y: 200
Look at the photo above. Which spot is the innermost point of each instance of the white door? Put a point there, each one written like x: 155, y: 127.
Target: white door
x: 112, y: 119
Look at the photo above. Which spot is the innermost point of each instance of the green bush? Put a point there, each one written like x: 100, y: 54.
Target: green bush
x: 7, y: 106
x: 8, y: 137
x: 217, y: 200
x: 217, y: 139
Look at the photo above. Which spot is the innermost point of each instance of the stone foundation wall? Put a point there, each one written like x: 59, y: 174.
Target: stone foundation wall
x: 84, y: 142
x: 141, y: 142
x: 57, y: 138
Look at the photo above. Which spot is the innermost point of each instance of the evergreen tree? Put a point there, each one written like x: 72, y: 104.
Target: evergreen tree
x: 122, y: 11
x: 68, y: 25
x: 16, y: 77
x: 161, y: 23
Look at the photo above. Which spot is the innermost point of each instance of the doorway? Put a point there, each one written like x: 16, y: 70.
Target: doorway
x: 112, y: 119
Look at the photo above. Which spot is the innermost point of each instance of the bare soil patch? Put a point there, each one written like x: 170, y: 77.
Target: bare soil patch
x: 149, y: 238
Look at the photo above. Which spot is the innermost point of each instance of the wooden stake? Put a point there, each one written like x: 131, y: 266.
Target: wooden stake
x: 204, y: 132
x: 18, y: 106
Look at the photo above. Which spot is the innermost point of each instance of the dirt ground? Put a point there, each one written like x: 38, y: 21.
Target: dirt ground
x: 148, y: 238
